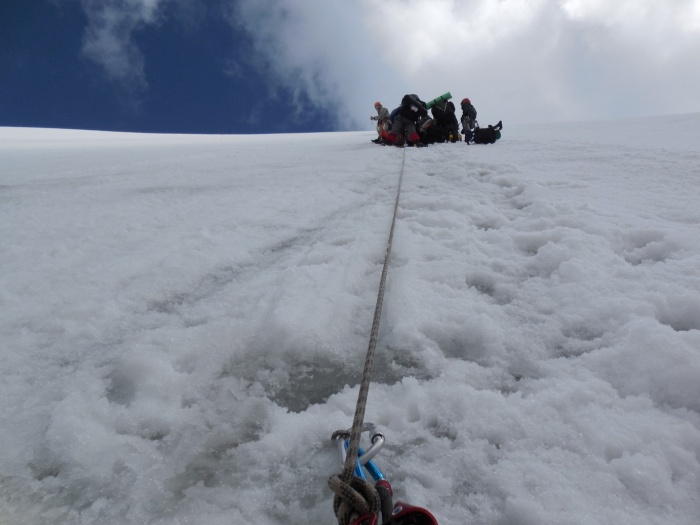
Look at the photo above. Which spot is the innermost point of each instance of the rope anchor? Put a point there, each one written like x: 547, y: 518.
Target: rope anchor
x: 357, y: 499
x: 364, y: 496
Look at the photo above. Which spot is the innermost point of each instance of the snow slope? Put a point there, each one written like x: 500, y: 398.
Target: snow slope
x: 183, y: 322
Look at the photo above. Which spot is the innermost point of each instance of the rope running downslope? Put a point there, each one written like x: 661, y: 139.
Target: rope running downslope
x: 352, y: 493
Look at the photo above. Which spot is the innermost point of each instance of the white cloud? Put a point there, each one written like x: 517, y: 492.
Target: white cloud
x: 108, y: 39
x: 540, y: 60
x: 318, y: 48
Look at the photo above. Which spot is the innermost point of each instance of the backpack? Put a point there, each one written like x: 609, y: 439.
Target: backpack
x: 443, y: 108
x: 412, y: 107
x: 487, y: 135
x: 445, y: 116
x: 469, y: 111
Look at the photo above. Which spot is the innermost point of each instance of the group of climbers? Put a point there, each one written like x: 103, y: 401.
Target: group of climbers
x: 410, y: 124
x: 400, y: 126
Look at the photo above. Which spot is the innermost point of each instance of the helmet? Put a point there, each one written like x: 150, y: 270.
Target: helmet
x: 377, y: 104
x: 466, y: 101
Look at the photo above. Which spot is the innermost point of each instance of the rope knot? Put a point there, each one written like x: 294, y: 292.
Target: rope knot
x: 354, y: 498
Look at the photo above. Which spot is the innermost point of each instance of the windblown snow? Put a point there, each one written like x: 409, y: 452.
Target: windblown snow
x: 184, y: 321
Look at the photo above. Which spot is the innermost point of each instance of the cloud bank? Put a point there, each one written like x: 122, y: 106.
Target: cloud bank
x: 547, y: 60
x: 535, y: 61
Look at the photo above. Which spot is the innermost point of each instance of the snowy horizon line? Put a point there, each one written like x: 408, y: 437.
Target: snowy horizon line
x: 519, y: 124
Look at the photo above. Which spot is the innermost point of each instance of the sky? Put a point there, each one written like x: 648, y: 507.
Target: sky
x: 273, y: 66
x: 184, y: 321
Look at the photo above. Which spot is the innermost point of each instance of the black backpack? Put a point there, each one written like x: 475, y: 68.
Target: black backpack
x: 469, y: 111
x: 446, y: 118
x: 412, y: 107
x: 487, y: 135
x: 442, y: 109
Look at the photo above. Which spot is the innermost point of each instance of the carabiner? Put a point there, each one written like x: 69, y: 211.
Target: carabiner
x: 364, y: 458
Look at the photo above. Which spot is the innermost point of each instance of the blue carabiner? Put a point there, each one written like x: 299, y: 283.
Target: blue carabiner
x: 364, y: 461
x: 364, y: 458
x: 370, y: 466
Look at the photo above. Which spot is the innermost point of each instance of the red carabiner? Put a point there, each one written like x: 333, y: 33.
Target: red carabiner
x: 405, y: 514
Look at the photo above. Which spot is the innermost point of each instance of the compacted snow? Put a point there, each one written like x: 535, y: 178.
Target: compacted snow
x: 184, y: 320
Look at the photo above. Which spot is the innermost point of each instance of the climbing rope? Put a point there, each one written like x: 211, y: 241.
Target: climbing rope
x: 355, y: 496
